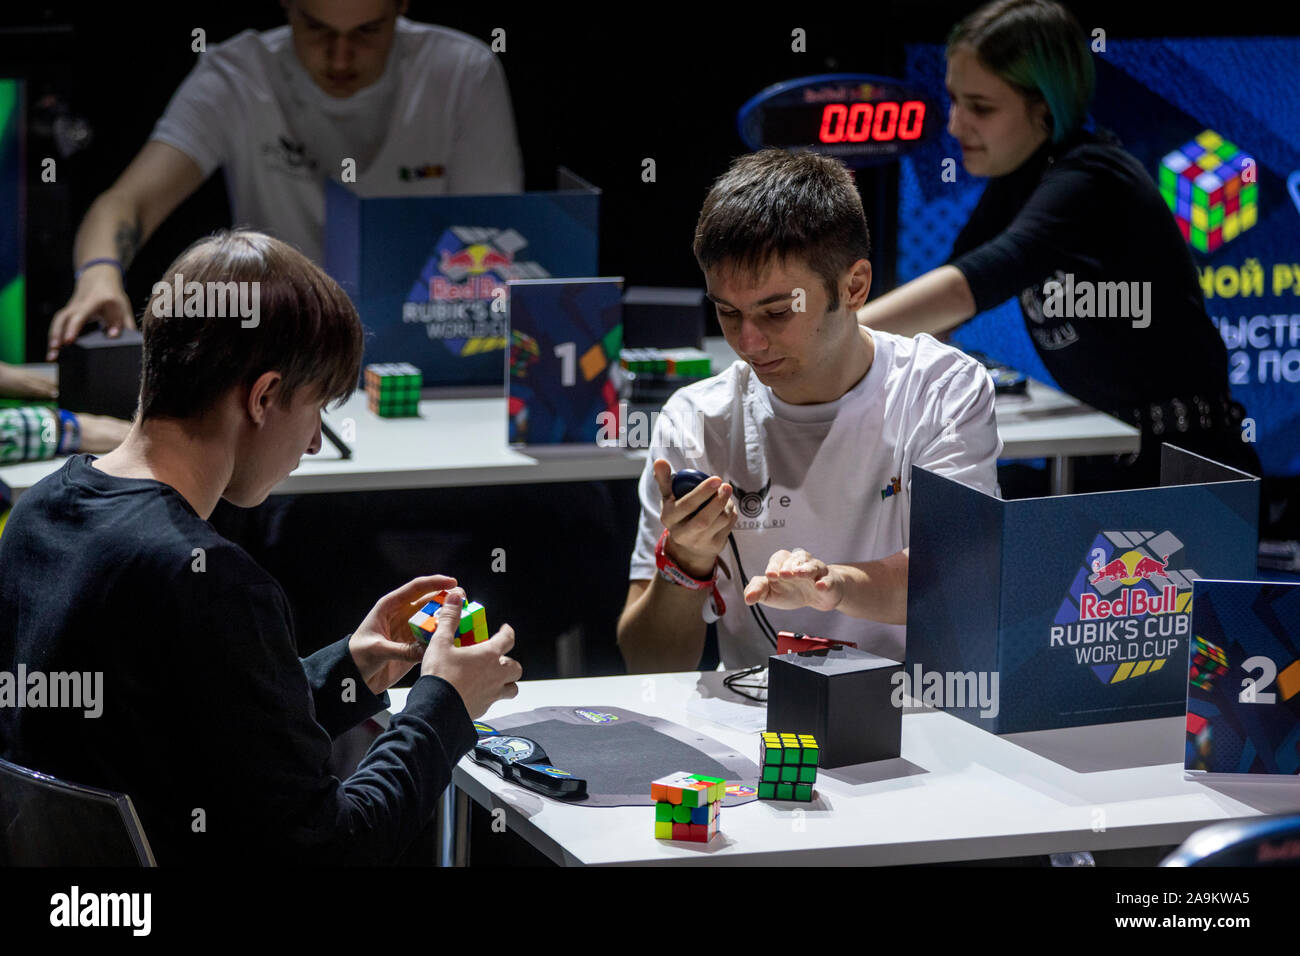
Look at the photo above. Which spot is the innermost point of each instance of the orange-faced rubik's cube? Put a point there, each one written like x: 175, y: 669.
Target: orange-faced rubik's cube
x: 788, y: 765
x: 393, y: 389
x: 1208, y: 662
x: 1204, y: 186
x: 473, y: 622
x: 687, y: 806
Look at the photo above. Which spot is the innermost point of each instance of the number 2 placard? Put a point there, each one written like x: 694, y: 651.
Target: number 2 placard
x: 1243, y: 680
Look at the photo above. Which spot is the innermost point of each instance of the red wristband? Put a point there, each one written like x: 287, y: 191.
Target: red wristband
x: 669, y: 571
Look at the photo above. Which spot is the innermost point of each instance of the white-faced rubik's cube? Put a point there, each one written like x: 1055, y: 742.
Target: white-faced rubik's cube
x: 1203, y: 185
x: 788, y: 765
x: 1208, y: 662
x: 687, y: 806
x: 393, y: 389
x: 473, y: 622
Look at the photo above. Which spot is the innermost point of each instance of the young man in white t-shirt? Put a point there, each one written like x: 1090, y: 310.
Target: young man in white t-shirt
x: 809, y: 439
x: 352, y: 85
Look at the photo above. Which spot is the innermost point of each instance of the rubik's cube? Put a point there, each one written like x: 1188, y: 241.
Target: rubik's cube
x: 1208, y: 662
x: 686, y: 363
x: 1203, y: 185
x: 393, y: 389
x: 687, y: 806
x: 473, y: 622
x: 788, y: 765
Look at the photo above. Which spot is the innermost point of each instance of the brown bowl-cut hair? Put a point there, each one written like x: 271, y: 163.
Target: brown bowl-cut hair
x: 778, y: 205
x: 307, y: 329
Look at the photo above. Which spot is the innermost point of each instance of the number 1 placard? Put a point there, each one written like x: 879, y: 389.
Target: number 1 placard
x: 1243, y: 683
x: 565, y: 338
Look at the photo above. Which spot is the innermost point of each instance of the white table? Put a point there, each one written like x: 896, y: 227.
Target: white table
x: 462, y: 442
x: 956, y: 793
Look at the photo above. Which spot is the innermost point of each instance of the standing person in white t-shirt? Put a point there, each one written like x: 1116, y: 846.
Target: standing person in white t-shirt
x: 809, y: 439
x: 417, y: 109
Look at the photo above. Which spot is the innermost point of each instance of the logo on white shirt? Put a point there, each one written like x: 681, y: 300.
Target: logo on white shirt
x: 427, y: 171
x: 286, y: 156
x: 751, y: 502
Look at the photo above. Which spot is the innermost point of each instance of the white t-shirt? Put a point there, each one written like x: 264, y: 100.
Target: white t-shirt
x: 812, y: 476
x: 437, y: 121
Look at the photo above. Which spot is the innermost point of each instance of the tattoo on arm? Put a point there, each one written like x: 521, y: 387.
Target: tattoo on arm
x: 128, y: 241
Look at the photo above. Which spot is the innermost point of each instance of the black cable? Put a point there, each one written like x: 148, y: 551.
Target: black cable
x: 733, y: 683
x: 763, y: 624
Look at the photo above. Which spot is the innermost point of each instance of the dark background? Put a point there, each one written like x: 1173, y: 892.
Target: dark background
x: 596, y: 88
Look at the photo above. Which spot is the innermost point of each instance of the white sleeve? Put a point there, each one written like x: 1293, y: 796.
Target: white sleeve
x: 960, y: 439
x: 662, y: 445
x: 197, y: 119
x: 485, y: 155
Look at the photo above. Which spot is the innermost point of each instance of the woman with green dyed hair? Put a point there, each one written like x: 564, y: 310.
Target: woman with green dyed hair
x: 1073, y: 226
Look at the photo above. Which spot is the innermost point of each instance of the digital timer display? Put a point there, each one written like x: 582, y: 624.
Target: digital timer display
x: 858, y: 118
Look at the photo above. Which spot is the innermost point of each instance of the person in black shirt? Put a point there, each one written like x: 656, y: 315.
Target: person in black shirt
x: 1068, y: 214
x: 206, y: 717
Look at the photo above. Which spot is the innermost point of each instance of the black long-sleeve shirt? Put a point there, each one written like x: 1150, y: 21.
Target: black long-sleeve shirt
x: 1086, y: 208
x: 210, y: 722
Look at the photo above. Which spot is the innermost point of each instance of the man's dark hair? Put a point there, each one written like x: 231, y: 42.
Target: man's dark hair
x: 776, y: 204
x: 307, y: 328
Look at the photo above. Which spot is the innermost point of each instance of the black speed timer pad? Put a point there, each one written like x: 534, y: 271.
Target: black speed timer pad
x: 619, y: 752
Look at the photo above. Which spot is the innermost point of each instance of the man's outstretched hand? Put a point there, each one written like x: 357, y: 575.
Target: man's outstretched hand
x: 796, y: 579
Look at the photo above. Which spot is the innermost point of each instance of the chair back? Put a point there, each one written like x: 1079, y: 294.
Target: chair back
x: 1270, y: 841
x: 45, y: 821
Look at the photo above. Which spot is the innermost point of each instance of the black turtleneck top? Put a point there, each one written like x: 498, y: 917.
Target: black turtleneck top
x: 1086, y: 208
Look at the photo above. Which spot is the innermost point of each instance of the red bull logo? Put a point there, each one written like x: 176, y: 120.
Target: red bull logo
x: 1129, y: 569
x: 474, y: 260
x: 1127, y: 612
x: 1130, y: 601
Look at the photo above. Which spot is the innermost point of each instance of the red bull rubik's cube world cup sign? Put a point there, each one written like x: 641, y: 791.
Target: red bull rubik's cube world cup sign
x: 1079, y: 605
x: 430, y: 274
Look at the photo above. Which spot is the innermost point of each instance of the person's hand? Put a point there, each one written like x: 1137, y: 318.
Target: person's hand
x: 796, y: 579
x: 481, y: 673
x: 99, y: 295
x: 383, y: 647
x: 100, y: 433
x: 694, y: 543
x: 18, y: 382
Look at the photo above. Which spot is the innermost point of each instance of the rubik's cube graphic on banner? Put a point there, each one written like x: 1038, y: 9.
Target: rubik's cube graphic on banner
x: 393, y: 389
x: 473, y: 622
x: 1204, y: 185
x: 687, y: 806
x: 1208, y: 662
x: 1200, y: 743
x: 523, y: 353
x: 788, y: 765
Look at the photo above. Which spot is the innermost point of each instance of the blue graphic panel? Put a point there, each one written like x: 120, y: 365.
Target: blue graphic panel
x: 1157, y: 96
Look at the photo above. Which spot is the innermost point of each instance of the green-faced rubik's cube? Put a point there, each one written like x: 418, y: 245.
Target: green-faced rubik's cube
x: 393, y: 389
x: 687, y: 806
x: 687, y: 363
x: 1203, y: 185
x: 473, y: 622
x: 788, y: 765
x: 1208, y: 662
